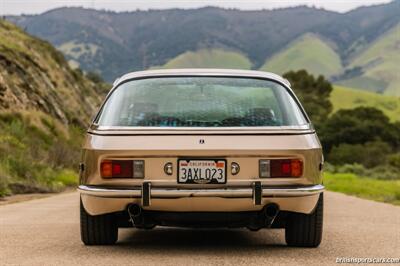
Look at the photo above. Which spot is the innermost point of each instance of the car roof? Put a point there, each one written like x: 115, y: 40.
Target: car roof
x: 201, y: 72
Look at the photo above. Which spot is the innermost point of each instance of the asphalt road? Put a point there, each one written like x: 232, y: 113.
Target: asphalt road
x: 46, y: 232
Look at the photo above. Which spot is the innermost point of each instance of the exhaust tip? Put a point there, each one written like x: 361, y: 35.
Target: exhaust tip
x: 134, y: 210
x: 271, y: 210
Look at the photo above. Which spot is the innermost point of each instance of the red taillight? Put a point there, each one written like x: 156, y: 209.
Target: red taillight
x: 285, y: 168
x: 296, y: 167
x: 281, y: 168
x: 116, y: 169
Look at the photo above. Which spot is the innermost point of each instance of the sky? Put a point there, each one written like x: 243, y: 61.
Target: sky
x: 17, y: 7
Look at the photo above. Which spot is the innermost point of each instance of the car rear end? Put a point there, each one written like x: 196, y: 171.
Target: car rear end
x: 201, y: 148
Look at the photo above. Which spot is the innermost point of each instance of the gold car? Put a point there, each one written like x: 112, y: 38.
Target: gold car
x: 201, y: 148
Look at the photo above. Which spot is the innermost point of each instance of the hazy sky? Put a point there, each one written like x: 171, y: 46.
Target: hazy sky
x: 16, y: 7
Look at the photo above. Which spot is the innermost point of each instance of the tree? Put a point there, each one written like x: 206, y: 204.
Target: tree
x: 358, y: 126
x: 95, y: 77
x: 313, y: 93
x: 101, y: 86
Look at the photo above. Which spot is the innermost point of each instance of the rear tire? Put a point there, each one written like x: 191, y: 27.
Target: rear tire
x: 305, y: 230
x: 99, y: 229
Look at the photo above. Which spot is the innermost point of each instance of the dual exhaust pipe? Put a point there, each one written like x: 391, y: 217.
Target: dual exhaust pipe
x: 271, y: 210
x: 265, y: 219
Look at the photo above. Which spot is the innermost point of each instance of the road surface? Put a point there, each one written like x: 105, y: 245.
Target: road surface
x: 46, y: 232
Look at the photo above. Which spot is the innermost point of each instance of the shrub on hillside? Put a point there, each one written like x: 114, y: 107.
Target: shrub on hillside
x: 355, y: 168
x: 4, y: 180
x: 394, y: 160
x: 370, y: 154
x: 386, y: 172
x: 34, y: 152
x: 95, y: 77
x: 101, y: 87
x: 61, y: 155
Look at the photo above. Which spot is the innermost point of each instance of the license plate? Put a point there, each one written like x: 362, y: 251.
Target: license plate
x: 202, y: 171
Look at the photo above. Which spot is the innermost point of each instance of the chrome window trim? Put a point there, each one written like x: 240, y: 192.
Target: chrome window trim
x: 268, y: 128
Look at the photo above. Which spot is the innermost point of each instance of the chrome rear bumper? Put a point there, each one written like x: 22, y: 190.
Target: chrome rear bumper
x: 146, y: 192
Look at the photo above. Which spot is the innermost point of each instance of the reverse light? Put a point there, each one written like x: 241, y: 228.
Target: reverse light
x: 280, y: 168
x: 138, y: 169
x: 122, y: 169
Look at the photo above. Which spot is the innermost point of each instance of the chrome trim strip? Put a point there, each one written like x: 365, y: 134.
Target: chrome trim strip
x: 232, y: 192
x: 193, y: 133
x: 258, y: 128
x: 295, y: 130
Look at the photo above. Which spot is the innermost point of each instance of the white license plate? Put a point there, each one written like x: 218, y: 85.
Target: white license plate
x: 207, y: 171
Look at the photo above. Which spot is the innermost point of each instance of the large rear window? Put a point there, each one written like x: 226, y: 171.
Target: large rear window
x: 201, y: 102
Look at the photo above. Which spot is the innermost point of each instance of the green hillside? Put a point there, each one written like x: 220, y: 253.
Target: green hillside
x: 209, y: 58
x: 44, y: 108
x: 307, y: 52
x: 379, y: 64
x: 346, y: 98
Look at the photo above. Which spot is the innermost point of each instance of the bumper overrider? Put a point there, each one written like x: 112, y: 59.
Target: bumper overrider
x: 149, y: 191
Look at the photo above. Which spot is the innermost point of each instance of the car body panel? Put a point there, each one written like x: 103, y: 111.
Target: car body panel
x: 158, y: 150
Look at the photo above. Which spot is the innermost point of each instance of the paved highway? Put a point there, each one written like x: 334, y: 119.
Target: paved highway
x: 46, y: 232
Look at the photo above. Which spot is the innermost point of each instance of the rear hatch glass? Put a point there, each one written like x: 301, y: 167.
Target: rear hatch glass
x: 201, y: 102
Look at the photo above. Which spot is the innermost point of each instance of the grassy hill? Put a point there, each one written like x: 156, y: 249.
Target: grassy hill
x: 113, y: 43
x: 357, y: 49
x: 341, y: 97
x: 209, y: 58
x: 379, y: 65
x: 346, y: 98
x: 307, y: 52
x: 35, y: 76
x: 44, y: 106
x: 370, y: 67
